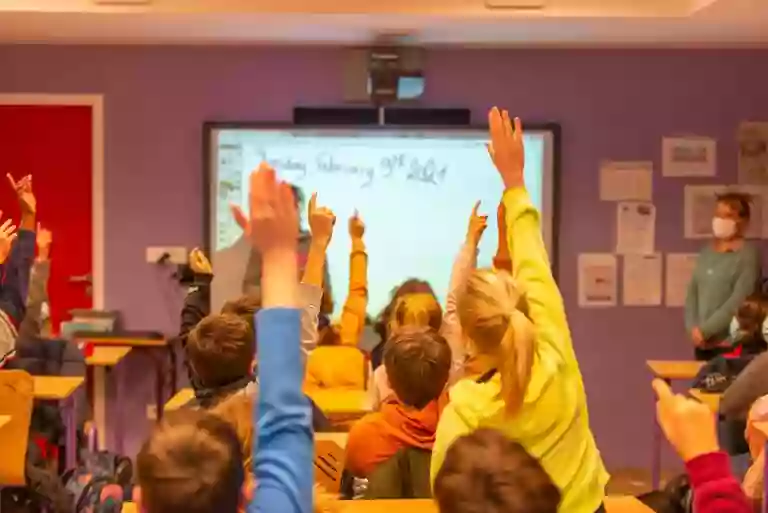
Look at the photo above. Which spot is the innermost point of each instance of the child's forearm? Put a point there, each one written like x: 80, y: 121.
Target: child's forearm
x: 353, y: 314
x: 313, y: 271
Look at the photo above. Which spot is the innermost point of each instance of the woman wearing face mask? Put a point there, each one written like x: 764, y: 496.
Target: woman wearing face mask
x: 727, y: 271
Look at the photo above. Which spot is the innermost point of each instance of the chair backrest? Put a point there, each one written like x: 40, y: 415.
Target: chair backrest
x: 404, y: 476
x: 329, y: 465
x: 16, y: 399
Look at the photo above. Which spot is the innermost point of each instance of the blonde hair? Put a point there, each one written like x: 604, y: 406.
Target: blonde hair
x: 419, y: 310
x: 237, y: 410
x: 493, y: 314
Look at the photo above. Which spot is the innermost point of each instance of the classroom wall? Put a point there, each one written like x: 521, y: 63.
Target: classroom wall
x: 611, y: 104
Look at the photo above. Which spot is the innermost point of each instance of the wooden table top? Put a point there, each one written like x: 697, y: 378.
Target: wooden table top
x: 125, y: 342
x: 107, y: 356
x: 341, y: 402
x: 339, y: 439
x: 181, y: 398
x: 613, y: 504
x: 711, y: 400
x: 671, y: 369
x: 4, y: 419
x: 56, y: 388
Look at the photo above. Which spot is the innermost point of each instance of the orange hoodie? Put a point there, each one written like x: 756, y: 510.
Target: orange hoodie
x: 378, y: 436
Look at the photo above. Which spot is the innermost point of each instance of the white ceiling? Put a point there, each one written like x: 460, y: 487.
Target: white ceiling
x: 425, y: 22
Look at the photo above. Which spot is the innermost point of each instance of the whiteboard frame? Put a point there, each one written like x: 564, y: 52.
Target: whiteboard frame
x: 550, y: 216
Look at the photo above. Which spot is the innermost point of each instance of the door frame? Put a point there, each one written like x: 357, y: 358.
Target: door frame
x: 96, y: 103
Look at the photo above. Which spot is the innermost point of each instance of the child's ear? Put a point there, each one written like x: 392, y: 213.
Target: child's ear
x: 246, y: 493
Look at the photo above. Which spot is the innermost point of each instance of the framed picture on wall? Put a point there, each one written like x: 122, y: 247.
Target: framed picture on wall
x: 688, y: 156
x: 699, y: 208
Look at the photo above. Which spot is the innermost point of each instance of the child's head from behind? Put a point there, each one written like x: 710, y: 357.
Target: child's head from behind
x: 245, y: 306
x: 409, y: 286
x: 750, y: 318
x: 418, y: 362
x: 418, y: 310
x: 191, y: 463
x: 485, y: 472
x: 221, y: 350
x: 494, y: 316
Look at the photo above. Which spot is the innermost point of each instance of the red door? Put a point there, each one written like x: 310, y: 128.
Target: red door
x: 53, y: 143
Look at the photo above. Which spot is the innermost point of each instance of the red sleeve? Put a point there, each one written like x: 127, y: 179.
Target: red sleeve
x: 715, y: 490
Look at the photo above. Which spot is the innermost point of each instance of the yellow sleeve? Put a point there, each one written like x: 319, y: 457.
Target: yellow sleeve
x: 450, y: 427
x: 533, y: 272
x: 353, y: 314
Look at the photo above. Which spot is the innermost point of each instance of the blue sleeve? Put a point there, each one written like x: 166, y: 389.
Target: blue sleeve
x: 283, y: 461
x: 13, y: 294
x: 746, y: 284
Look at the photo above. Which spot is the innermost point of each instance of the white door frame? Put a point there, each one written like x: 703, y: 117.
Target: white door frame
x: 96, y: 103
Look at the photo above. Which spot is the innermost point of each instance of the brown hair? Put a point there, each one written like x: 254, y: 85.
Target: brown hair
x: 418, y: 361
x: 493, y: 314
x: 190, y: 463
x: 245, y: 306
x: 485, y: 472
x: 409, y: 286
x: 419, y: 310
x: 750, y: 317
x: 221, y: 349
x: 739, y: 202
x: 237, y: 410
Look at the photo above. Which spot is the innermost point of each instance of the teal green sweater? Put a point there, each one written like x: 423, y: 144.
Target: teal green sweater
x: 720, y: 282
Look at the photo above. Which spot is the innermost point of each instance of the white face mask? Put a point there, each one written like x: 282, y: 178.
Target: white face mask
x: 723, y: 228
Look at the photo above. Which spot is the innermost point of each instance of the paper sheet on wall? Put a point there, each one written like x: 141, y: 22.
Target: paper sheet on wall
x: 642, y: 280
x: 680, y: 268
x: 597, y: 280
x: 753, y: 153
x: 623, y: 181
x: 635, y: 228
x: 699, y: 208
x: 688, y: 156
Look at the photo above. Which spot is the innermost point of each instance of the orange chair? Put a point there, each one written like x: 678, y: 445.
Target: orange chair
x: 16, y: 398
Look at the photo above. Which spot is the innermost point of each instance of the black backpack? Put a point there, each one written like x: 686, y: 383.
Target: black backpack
x: 98, y: 484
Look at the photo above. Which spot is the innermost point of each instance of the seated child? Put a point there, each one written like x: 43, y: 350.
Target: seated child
x: 419, y: 310
x: 418, y: 361
x: 749, y: 328
x: 337, y: 362
x: 486, y: 472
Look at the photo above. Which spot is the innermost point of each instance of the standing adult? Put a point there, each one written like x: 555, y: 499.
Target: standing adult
x: 727, y: 271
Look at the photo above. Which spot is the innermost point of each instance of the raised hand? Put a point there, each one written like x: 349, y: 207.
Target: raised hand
x: 44, y: 241
x: 199, y: 263
x: 502, y: 259
x: 506, y: 147
x: 24, y: 192
x: 7, y: 236
x: 356, y: 226
x: 477, y: 225
x: 321, y: 221
x: 688, y: 424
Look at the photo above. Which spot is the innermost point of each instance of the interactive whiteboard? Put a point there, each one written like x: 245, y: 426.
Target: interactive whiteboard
x: 414, y: 190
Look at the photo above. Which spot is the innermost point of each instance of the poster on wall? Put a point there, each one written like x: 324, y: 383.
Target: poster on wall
x: 642, y: 279
x: 688, y: 156
x: 753, y: 153
x: 699, y: 209
x: 597, y: 280
x: 680, y: 268
x: 626, y: 181
x: 635, y: 228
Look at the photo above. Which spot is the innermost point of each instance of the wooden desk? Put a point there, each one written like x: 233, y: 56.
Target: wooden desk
x: 339, y: 439
x: 101, y: 361
x: 711, y: 400
x: 667, y: 370
x: 341, y: 402
x: 4, y: 419
x: 62, y: 389
x: 181, y: 398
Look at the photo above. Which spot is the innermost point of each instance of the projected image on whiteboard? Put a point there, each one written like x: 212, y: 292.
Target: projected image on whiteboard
x: 413, y: 189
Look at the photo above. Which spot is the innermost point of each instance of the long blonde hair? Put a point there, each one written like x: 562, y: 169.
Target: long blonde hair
x: 493, y: 314
x: 418, y: 310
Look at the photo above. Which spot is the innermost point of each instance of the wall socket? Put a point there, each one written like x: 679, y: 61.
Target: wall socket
x: 176, y: 254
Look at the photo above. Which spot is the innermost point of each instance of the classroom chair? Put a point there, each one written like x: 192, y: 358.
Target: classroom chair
x: 404, y: 476
x: 16, y: 399
x: 329, y: 465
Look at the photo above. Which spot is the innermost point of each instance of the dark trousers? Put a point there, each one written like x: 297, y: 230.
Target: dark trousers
x: 706, y: 354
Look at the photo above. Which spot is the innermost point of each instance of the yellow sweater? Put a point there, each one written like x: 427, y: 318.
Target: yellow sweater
x: 343, y: 366
x: 553, y: 424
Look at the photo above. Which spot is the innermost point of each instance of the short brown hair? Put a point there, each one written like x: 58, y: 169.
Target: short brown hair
x: 190, y: 463
x: 485, y: 472
x: 245, y: 306
x: 221, y: 349
x: 418, y: 362
x: 237, y: 410
x: 738, y: 202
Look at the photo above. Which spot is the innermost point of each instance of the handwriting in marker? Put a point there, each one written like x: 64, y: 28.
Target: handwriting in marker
x: 392, y: 163
x: 284, y: 164
x: 426, y: 172
x: 327, y: 163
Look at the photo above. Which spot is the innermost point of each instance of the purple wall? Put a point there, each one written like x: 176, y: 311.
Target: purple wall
x: 611, y: 104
